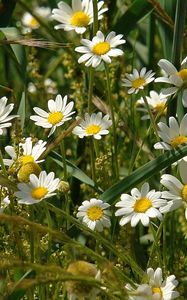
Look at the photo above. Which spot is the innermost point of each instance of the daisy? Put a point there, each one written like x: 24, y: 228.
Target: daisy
x: 157, y: 103
x: 4, y: 114
x: 78, y: 17
x: 162, y: 289
x: 27, y: 152
x: 173, y: 135
x: 177, y: 190
x: 156, y: 288
x: 137, y: 81
x: 140, y: 206
x: 37, y: 189
x: 172, y: 76
x: 93, y: 125
x: 95, y: 214
x: 100, y: 49
x: 59, y: 113
x: 30, y: 22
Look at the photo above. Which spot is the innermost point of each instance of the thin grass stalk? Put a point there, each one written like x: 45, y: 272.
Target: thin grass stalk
x: 151, y: 117
x: 96, y: 22
x: 109, y: 96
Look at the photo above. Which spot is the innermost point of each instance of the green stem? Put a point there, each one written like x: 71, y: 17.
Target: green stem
x: 95, y: 11
x: 156, y: 237
x: 109, y: 95
x: 92, y: 158
x: 151, y: 117
x: 90, y: 89
x: 63, y: 154
x: 2, y: 165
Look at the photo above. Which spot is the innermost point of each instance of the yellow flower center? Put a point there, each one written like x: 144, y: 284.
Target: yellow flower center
x: 34, y: 23
x: 138, y: 82
x: 157, y: 290
x: 26, y: 170
x: 142, y: 205
x: 184, y: 193
x: 55, y: 117
x: 95, y: 213
x: 93, y: 129
x: 80, y: 19
x: 39, y: 192
x: 25, y: 159
x: 183, y: 74
x: 160, y: 108
x: 179, y: 140
x: 101, y: 48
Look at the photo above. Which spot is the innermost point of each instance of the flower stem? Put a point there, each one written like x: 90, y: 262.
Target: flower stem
x: 92, y: 158
x: 90, y: 88
x: 95, y: 12
x: 156, y: 245
x: 151, y: 117
x: 2, y: 165
x: 109, y: 95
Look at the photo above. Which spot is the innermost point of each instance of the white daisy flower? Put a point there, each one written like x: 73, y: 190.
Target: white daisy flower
x: 172, y: 76
x: 95, y: 214
x: 4, y: 114
x: 156, y: 288
x: 27, y: 152
x: 59, y: 113
x: 137, y: 81
x: 37, y: 189
x: 30, y: 22
x: 157, y: 103
x: 173, y: 135
x: 50, y: 86
x: 177, y: 190
x: 100, y: 49
x: 162, y: 289
x: 93, y: 125
x: 77, y: 17
x: 140, y: 206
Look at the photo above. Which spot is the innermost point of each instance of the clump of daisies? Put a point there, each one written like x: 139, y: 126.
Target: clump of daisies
x: 155, y: 287
x: 176, y: 193
x: 140, y: 206
x: 5, y: 116
x: 37, y: 189
x: 137, y: 80
x: 100, y: 49
x: 59, y: 112
x: 78, y: 17
x: 95, y: 214
x: 93, y: 125
x: 175, y: 78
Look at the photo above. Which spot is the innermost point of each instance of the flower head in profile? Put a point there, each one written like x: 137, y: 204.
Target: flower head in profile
x: 156, y: 288
x: 176, y: 189
x: 37, y: 189
x: 173, y: 135
x: 140, y: 206
x: 76, y: 290
x: 137, y: 80
x: 78, y: 17
x: 59, y: 113
x: 30, y: 22
x: 100, y: 49
x: 5, y: 116
x: 178, y: 79
x: 156, y: 102
x: 93, y: 125
x: 95, y: 214
x: 28, y: 152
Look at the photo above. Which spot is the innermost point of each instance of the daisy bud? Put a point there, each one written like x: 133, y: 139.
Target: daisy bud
x: 26, y: 170
x: 64, y: 187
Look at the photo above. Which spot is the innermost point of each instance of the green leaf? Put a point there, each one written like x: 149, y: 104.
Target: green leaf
x: 21, y: 110
x: 75, y: 171
x: 11, y: 33
x: 6, y: 10
x: 143, y: 173
x: 128, y: 21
